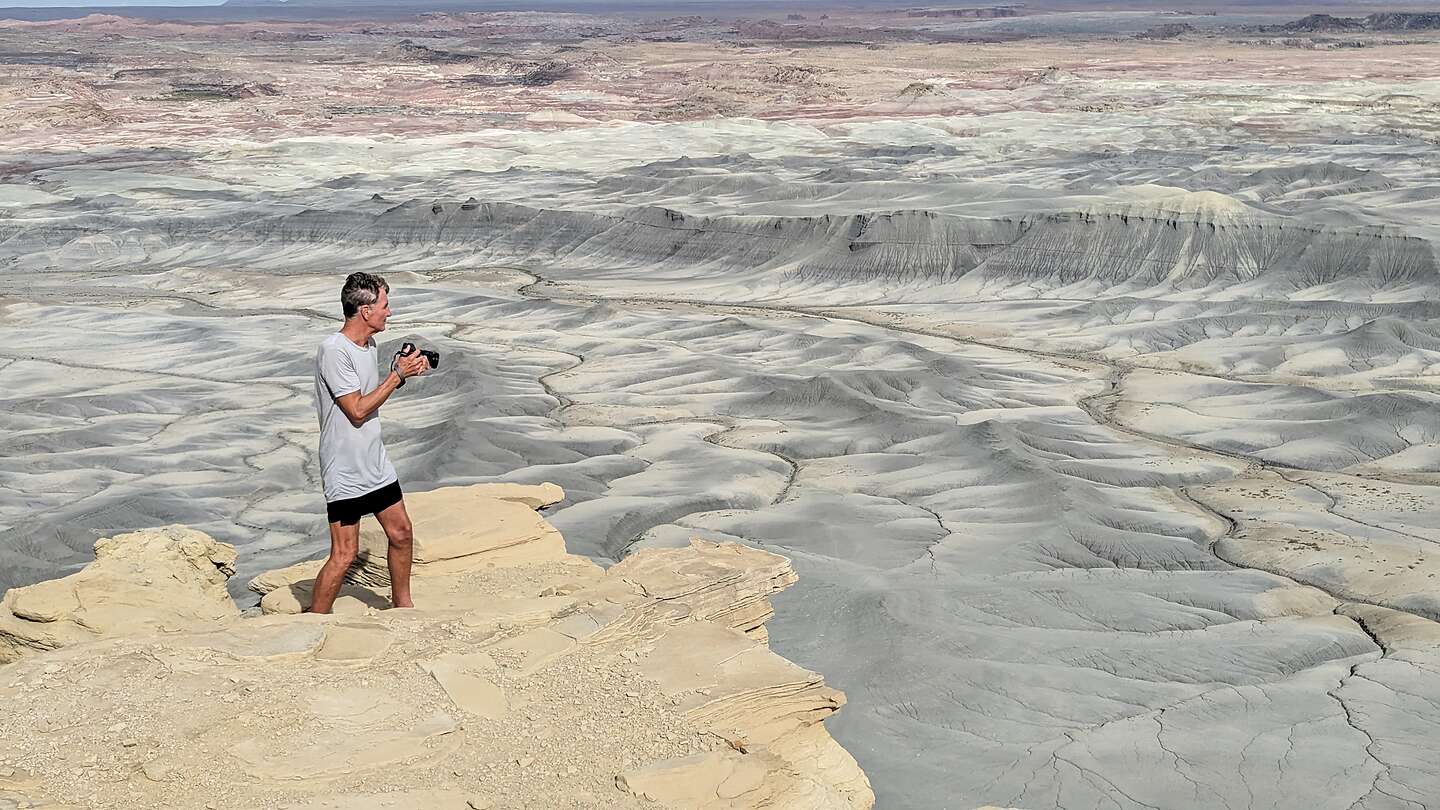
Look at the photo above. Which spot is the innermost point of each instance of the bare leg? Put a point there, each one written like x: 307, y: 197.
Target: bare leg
x: 400, y: 553
x: 344, y: 545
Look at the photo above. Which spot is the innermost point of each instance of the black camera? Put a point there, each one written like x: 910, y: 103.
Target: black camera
x: 407, y: 348
x: 433, y: 357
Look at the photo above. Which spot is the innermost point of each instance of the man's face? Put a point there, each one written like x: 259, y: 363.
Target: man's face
x: 375, y: 314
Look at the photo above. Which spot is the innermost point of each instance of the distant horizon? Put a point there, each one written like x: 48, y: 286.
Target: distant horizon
x: 317, y: 10
x: 75, y: 4
x: 305, y: 9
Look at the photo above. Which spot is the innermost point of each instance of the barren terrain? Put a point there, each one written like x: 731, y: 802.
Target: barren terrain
x: 1087, y: 372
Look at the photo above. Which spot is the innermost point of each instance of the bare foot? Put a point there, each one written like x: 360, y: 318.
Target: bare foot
x: 402, y: 604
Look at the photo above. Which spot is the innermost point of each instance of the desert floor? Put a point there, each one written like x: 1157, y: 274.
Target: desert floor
x: 1087, y: 370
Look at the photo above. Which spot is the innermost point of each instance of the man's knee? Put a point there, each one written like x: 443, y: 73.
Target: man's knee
x: 402, y: 537
x: 344, y: 556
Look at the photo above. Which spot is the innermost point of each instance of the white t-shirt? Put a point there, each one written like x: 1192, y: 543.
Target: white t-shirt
x: 352, y: 459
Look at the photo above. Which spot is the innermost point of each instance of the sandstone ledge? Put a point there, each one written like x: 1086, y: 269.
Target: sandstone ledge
x: 160, y: 579
x: 528, y: 678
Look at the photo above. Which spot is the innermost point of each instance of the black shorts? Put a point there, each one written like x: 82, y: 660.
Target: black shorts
x: 349, y: 511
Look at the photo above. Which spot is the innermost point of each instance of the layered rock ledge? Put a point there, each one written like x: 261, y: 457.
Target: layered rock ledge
x: 528, y: 677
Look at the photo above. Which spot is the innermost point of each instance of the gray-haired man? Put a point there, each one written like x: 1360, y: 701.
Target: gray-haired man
x: 358, y: 477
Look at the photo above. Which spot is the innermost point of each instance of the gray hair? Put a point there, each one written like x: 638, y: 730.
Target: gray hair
x: 360, y: 289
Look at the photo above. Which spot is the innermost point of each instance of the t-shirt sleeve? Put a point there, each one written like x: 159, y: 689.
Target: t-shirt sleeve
x: 339, y: 372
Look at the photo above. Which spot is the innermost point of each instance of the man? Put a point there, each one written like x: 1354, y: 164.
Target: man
x: 358, y: 477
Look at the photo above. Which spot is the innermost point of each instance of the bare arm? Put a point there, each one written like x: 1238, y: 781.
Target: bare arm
x: 358, y: 407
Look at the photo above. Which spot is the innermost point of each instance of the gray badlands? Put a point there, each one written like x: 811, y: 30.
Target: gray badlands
x: 1089, y: 378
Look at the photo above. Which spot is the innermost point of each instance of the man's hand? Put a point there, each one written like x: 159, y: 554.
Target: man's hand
x: 412, y: 366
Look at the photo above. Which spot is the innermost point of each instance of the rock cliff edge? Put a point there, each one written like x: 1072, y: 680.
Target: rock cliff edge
x: 528, y: 678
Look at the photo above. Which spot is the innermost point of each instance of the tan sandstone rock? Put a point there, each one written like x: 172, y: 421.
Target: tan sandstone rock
x: 721, y: 582
x: 164, y: 579
x: 456, y: 529
x: 535, y: 680
x: 535, y: 496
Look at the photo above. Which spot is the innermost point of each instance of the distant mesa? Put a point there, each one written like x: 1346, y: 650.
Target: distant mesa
x: 1047, y: 75
x: 1159, y: 201
x: 150, y: 73
x: 1160, y: 235
x: 548, y: 73
x: 288, y: 36
x: 409, y: 50
x: 790, y: 74
x: 221, y: 91
x: 912, y: 151
x: 1299, y: 181
x: 1383, y: 21
x: 681, y: 166
x: 1315, y: 180
x: 981, y: 13
x: 1396, y: 21
x: 1166, y: 31
x: 501, y: 73
x: 1324, y: 22
x: 189, y: 83
x: 919, y: 89
x: 771, y: 30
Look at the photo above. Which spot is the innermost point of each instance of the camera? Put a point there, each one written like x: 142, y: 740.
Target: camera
x: 432, y: 357
x: 407, y: 348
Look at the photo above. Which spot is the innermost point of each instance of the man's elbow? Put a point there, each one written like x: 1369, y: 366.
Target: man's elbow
x: 353, y: 406
x: 357, y: 416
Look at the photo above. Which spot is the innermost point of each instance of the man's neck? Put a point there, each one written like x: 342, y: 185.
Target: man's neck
x: 357, y: 332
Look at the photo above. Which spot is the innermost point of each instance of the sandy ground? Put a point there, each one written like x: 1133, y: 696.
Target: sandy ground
x: 1092, y: 394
